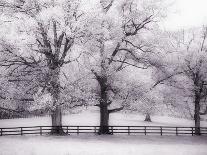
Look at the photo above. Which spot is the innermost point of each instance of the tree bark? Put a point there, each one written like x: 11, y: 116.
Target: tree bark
x: 57, y: 121
x: 55, y: 93
x: 104, y: 112
x: 148, y: 118
x: 197, y: 115
x: 104, y: 120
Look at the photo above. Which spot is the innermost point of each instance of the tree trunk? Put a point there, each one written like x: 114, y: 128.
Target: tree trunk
x: 104, y: 112
x: 56, y: 111
x: 148, y: 118
x: 57, y: 121
x: 104, y: 120
x: 197, y: 116
x: 104, y: 85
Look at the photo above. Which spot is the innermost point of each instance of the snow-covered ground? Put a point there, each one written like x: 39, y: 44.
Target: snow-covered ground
x: 92, y: 118
x: 103, y: 145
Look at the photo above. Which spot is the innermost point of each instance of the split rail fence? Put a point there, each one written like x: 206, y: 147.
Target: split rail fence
x: 128, y: 130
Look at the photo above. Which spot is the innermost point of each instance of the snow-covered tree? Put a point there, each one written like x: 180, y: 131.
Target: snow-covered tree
x: 115, y: 40
x: 186, y: 71
x: 45, y: 34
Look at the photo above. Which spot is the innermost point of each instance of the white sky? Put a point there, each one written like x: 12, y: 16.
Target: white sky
x: 183, y: 13
x: 187, y: 13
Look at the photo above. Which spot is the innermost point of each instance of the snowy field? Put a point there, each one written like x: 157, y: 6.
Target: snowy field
x: 102, y: 145
x: 92, y: 118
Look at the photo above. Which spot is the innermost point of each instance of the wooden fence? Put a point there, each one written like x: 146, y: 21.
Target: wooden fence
x: 129, y: 130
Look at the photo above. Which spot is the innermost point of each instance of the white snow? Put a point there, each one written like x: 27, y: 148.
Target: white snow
x: 103, y: 145
x: 92, y: 118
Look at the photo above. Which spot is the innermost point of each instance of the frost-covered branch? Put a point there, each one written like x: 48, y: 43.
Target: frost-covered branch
x: 115, y: 110
x: 205, y: 112
x: 106, y: 4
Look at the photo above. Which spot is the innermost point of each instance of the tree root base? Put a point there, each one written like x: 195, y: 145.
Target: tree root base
x: 58, y: 132
x: 148, y: 120
x: 105, y: 132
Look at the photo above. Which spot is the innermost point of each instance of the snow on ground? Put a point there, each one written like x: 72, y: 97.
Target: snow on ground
x: 92, y: 118
x: 103, y: 145
x: 90, y: 144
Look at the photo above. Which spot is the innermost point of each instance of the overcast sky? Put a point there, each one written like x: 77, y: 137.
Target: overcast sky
x: 183, y: 13
x: 187, y: 13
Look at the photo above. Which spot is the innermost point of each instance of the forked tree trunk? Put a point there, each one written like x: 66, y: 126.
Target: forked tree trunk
x: 104, y: 105
x: 197, y: 116
x: 148, y: 118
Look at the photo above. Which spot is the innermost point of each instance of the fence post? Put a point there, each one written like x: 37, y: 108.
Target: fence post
x: 128, y: 130
x: 21, y: 131
x: 112, y: 130
x: 192, y: 130
x: 77, y: 130
x: 145, y: 130
x: 1, y: 132
x: 94, y: 129
x: 176, y: 129
x: 67, y: 130
x: 40, y: 130
x: 161, y: 131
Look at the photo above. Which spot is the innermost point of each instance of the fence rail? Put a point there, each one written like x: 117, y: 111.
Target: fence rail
x: 129, y: 130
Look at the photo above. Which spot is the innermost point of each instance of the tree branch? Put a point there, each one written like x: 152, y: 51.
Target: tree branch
x: 166, y: 78
x: 137, y: 27
x: 115, y: 110
x: 114, y: 53
x: 68, y: 44
x: 107, y: 7
x: 97, y: 105
x: 11, y: 110
x: 69, y: 61
x: 205, y: 112
x: 96, y: 75
x: 130, y: 64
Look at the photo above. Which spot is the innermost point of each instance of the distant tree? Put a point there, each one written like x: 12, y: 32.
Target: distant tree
x: 143, y: 100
